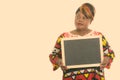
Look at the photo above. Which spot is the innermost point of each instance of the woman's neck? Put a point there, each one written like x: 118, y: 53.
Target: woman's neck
x: 82, y: 32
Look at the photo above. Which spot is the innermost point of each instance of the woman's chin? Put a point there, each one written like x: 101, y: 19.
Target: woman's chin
x: 80, y: 28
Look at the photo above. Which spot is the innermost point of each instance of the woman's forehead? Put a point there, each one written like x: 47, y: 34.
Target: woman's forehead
x: 80, y: 14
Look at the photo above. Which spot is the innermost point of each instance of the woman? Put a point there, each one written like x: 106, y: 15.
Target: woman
x: 83, y: 18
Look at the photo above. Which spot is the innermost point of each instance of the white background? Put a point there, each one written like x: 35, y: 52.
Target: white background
x: 29, y: 29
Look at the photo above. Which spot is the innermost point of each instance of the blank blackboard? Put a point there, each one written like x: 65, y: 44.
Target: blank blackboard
x: 82, y: 51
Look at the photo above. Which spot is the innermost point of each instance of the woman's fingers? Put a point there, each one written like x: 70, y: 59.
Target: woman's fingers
x: 102, y: 66
x: 64, y: 68
x: 59, y: 62
x: 104, y: 63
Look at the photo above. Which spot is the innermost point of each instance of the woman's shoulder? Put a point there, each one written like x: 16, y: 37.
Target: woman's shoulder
x: 68, y: 34
x: 65, y: 34
x: 97, y: 32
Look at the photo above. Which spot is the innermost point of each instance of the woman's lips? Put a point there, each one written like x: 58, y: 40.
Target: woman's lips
x: 80, y: 24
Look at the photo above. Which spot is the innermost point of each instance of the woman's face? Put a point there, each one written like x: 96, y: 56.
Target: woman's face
x: 81, y: 22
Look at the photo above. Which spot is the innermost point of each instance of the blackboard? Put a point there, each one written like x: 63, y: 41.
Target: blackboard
x: 82, y: 51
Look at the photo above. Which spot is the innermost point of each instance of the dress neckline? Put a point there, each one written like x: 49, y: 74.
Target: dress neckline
x: 80, y: 35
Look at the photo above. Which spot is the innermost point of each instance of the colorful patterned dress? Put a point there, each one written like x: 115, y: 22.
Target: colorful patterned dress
x: 89, y: 73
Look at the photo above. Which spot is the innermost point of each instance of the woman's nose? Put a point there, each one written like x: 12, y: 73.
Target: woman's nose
x: 80, y: 20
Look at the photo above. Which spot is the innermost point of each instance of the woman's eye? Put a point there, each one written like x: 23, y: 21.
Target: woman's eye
x: 78, y: 17
x: 84, y: 18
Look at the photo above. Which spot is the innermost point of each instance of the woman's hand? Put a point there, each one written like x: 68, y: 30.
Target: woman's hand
x: 104, y: 63
x: 64, y: 68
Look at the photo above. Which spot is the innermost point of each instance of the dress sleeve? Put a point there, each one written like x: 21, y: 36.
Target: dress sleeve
x: 56, y: 53
x: 108, y: 52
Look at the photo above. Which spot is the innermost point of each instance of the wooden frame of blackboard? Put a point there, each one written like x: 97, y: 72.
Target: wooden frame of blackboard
x: 99, y: 38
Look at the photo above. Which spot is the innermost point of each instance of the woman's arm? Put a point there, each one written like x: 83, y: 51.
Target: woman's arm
x: 108, y: 54
x: 55, y: 56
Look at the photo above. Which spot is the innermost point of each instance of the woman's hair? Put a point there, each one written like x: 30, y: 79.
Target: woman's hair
x: 87, y: 9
